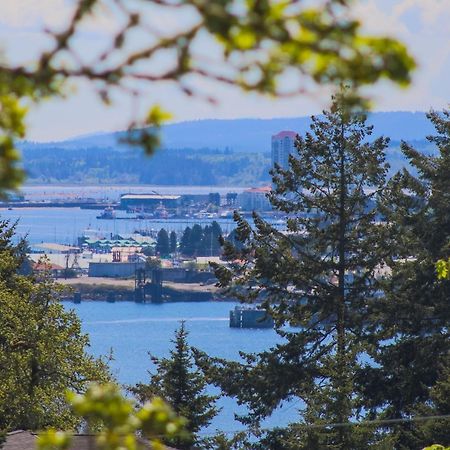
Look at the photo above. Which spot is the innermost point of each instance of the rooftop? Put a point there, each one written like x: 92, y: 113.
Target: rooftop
x: 262, y: 189
x: 26, y: 440
x: 283, y: 134
x: 149, y: 197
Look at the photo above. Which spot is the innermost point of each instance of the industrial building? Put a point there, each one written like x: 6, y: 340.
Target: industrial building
x: 149, y: 202
x: 114, y: 269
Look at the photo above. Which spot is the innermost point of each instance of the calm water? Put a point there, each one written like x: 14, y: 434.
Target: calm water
x: 65, y: 225
x: 132, y: 330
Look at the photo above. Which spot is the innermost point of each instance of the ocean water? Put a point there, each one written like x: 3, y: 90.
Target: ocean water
x: 65, y: 225
x: 130, y: 331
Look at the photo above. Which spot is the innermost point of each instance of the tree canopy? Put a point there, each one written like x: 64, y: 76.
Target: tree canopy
x: 42, y: 349
x: 182, y: 385
x: 414, y: 315
x: 318, y: 277
x: 162, y: 243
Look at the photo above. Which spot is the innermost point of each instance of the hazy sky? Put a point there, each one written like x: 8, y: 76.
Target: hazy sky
x: 422, y: 24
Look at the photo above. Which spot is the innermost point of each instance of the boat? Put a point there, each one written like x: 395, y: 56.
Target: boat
x: 145, y: 216
x: 227, y: 214
x: 161, y: 212
x: 206, y: 215
x: 107, y: 214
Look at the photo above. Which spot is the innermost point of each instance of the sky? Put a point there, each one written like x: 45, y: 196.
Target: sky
x: 423, y: 25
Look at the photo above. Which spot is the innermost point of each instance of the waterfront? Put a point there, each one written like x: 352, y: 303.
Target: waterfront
x: 112, y: 192
x: 65, y: 225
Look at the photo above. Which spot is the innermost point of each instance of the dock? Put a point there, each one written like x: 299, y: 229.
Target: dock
x: 241, y: 317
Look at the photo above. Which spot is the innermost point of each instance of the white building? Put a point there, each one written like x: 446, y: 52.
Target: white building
x: 282, y: 147
x: 255, y: 199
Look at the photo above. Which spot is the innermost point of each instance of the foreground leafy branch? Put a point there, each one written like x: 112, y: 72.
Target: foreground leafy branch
x: 104, y: 406
x: 257, y: 43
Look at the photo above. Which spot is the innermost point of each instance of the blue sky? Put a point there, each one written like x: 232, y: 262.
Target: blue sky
x: 422, y: 24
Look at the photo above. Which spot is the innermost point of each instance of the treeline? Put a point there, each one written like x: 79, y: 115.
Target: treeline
x: 167, y: 167
x: 98, y: 165
x: 195, y: 241
x: 198, y: 241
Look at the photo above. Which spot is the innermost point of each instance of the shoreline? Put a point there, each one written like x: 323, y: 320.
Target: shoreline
x: 114, y: 289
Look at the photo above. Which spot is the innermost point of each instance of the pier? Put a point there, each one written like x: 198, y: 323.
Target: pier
x: 250, y: 318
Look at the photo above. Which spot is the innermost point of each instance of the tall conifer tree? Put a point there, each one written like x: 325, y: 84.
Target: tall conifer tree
x: 173, y: 242
x: 182, y: 385
x: 185, y: 241
x: 162, y: 243
x: 415, y: 315
x: 319, y: 276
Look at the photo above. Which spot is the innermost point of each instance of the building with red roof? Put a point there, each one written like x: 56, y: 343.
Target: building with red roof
x: 255, y: 199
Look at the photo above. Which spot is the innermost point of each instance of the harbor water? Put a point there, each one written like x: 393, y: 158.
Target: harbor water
x: 129, y: 331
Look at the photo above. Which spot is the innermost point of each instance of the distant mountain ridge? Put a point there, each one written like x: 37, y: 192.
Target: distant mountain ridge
x: 248, y: 135
x: 196, y: 153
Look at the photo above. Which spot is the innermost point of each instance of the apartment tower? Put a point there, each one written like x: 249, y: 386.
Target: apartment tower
x: 282, y: 147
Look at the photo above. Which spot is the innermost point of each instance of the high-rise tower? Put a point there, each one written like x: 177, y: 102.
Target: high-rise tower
x: 282, y: 147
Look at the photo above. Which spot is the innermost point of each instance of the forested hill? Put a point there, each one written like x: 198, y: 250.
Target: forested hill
x: 204, y: 152
x: 253, y: 135
x: 167, y: 167
x: 92, y: 165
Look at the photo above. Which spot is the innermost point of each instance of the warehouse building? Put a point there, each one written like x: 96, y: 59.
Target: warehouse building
x: 149, y: 202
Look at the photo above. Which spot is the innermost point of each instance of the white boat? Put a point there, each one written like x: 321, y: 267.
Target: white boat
x: 107, y: 214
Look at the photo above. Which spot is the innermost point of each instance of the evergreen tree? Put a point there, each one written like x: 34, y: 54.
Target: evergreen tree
x: 216, y: 231
x: 162, y: 243
x: 210, y: 245
x: 42, y: 348
x: 318, y: 277
x: 173, y: 242
x: 195, y: 240
x: 233, y: 239
x: 415, y: 315
x: 437, y: 407
x: 185, y: 242
x: 206, y: 246
x: 182, y: 386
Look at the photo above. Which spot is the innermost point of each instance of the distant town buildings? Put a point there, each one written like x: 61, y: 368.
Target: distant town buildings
x: 149, y: 202
x: 282, y: 147
x: 255, y: 199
